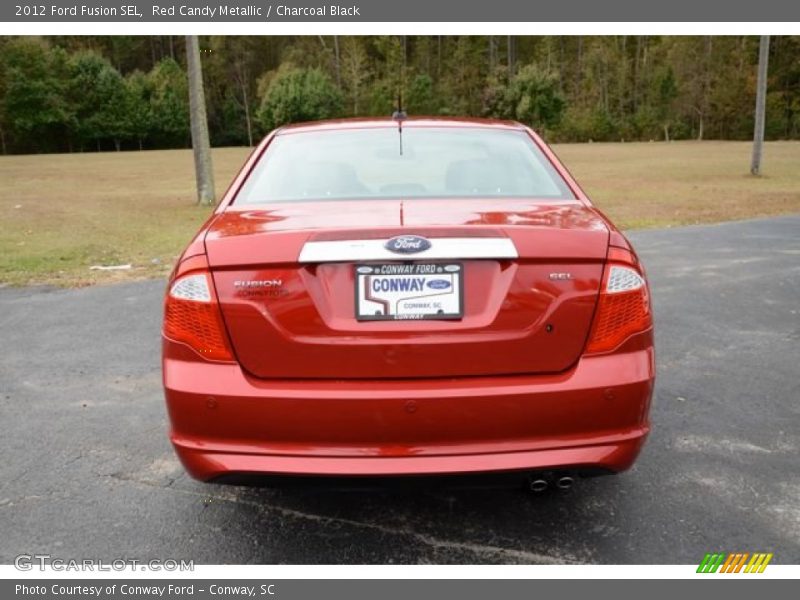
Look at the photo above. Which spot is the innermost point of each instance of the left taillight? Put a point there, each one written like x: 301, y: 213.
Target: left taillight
x: 192, y: 316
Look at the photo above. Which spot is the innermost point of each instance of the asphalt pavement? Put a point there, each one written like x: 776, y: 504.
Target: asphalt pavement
x: 87, y: 470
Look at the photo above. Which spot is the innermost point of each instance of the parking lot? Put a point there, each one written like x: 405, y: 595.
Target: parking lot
x: 87, y: 470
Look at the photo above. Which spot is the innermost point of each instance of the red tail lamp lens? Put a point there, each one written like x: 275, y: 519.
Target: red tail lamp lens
x: 192, y: 316
x: 623, y: 309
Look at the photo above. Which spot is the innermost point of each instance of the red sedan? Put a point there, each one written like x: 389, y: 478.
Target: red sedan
x: 396, y: 297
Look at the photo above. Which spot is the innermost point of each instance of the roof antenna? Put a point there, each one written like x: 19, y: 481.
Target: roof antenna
x: 400, y: 115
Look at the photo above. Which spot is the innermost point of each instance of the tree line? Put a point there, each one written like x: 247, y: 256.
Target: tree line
x: 84, y: 93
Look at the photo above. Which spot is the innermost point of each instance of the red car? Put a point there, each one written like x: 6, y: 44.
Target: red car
x: 393, y: 297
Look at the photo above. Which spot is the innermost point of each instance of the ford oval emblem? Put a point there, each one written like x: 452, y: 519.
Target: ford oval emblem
x: 407, y: 244
x: 439, y: 284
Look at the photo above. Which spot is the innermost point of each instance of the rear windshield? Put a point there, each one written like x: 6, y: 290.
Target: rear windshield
x: 421, y: 163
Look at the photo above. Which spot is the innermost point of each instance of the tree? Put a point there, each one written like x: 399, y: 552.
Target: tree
x: 337, y: 56
x: 667, y: 92
x: 295, y: 95
x: 463, y: 75
x: 115, y: 115
x: 169, y: 103
x: 98, y: 97
x: 201, y: 146
x: 59, y: 93
x: 355, y: 71
x: 495, y: 102
x: 420, y: 98
x: 138, y: 94
x: 784, y: 87
x: 533, y: 98
x: 3, y: 116
x: 761, y: 105
x: 231, y: 63
x: 390, y: 74
x: 35, y: 104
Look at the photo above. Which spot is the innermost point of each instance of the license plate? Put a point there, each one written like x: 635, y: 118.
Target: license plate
x: 409, y: 291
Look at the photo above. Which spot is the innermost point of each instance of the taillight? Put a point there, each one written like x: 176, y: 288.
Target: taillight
x: 622, y: 310
x: 192, y: 316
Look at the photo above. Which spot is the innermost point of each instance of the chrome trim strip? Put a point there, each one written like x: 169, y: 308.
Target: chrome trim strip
x: 441, y: 248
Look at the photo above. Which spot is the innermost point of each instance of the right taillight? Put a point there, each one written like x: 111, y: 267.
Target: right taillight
x: 192, y: 316
x: 622, y: 310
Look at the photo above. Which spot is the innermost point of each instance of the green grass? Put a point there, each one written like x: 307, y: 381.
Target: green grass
x: 681, y: 183
x: 63, y: 213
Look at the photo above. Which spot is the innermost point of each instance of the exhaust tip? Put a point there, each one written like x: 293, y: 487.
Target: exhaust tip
x: 538, y: 485
x: 564, y: 483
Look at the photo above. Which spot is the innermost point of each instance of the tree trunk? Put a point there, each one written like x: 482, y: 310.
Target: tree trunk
x: 622, y: 81
x: 549, y: 42
x: 645, y: 41
x: 117, y: 144
x: 246, y: 100
x: 511, y: 57
x: 666, y: 132
x: 439, y: 57
x: 637, y: 55
x: 761, y: 105
x: 338, y: 66
x: 199, y: 125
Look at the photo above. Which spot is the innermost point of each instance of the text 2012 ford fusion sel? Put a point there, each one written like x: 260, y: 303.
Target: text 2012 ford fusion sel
x: 407, y: 297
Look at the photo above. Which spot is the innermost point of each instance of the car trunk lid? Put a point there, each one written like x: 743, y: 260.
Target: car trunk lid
x: 291, y: 314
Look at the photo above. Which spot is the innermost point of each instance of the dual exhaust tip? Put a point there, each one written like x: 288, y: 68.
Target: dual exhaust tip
x: 540, y: 483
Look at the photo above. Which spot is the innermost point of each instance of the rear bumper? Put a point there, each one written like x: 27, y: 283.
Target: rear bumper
x: 224, y: 422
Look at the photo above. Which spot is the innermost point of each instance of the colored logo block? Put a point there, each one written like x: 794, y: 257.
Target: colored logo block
x: 736, y: 562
